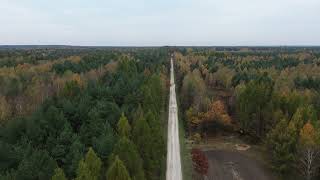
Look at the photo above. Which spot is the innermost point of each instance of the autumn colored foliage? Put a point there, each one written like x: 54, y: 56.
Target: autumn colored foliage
x: 200, y: 161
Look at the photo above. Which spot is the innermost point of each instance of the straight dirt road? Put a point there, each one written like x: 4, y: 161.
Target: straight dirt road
x: 173, y: 146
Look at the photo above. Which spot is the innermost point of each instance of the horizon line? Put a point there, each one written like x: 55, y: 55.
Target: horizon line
x: 66, y: 45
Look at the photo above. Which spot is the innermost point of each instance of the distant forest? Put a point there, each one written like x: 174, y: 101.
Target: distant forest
x: 100, y: 112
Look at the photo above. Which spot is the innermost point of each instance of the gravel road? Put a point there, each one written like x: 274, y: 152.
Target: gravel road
x: 173, y: 146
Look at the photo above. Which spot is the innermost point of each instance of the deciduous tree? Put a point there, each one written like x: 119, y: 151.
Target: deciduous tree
x: 308, y: 151
x: 200, y: 162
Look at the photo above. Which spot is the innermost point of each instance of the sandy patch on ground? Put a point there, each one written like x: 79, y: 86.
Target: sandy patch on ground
x: 242, y: 147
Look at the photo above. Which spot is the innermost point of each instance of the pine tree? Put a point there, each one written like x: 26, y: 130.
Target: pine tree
x: 89, y: 168
x: 117, y: 171
x: 157, y: 145
x: 74, y: 156
x: 37, y: 165
x: 123, y: 126
x: 103, y: 144
x: 83, y: 172
x: 93, y: 163
x: 128, y: 153
x: 142, y: 137
x: 58, y: 175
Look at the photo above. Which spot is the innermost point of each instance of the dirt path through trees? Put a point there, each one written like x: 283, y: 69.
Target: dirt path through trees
x: 173, y: 151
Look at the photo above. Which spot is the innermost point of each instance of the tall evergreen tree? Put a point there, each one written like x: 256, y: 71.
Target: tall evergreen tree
x: 93, y: 163
x: 58, y: 175
x: 89, y: 167
x: 157, y: 145
x: 73, y: 157
x: 123, y: 126
x: 128, y: 153
x: 103, y: 144
x: 142, y: 137
x: 83, y: 172
x: 117, y: 171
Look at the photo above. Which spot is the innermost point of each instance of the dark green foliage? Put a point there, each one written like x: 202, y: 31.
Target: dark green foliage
x: 85, y: 64
x: 128, y: 153
x: 94, y: 126
x: 60, y: 131
x: 254, y: 105
x: 74, y: 155
x: 308, y: 83
x: 281, y: 143
x: 141, y: 135
x: 153, y: 94
x: 157, y: 146
x: 147, y: 135
x: 37, y: 165
x: 103, y: 144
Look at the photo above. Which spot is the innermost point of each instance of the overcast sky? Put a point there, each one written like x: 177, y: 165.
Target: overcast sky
x: 160, y: 22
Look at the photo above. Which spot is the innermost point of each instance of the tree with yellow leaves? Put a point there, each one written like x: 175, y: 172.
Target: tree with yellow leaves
x: 4, y: 109
x: 217, y: 112
x: 308, y: 151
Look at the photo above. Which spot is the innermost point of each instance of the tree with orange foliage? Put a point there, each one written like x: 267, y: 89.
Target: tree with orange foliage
x: 308, y: 151
x: 217, y: 112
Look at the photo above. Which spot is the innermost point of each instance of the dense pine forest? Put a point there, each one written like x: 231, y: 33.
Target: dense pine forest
x: 83, y: 113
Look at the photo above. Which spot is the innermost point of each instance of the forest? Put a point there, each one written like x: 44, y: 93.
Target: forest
x: 93, y: 113
x: 269, y: 96
x: 83, y: 113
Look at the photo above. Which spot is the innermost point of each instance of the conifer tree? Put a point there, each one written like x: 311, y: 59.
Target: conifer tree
x: 83, y: 172
x: 123, y: 126
x: 117, y: 171
x: 157, y: 145
x: 58, y: 175
x: 93, y: 163
x: 128, y: 153
x: 142, y: 137
x: 89, y: 168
